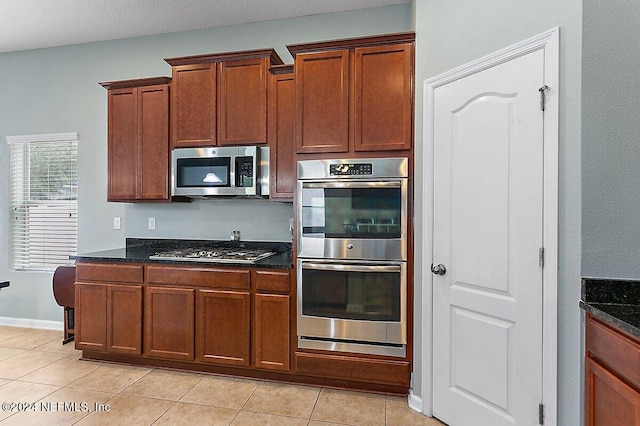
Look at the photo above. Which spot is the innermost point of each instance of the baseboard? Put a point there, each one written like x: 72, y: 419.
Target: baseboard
x: 32, y: 323
x: 415, y: 402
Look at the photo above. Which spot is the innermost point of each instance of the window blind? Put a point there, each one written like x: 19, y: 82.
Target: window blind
x: 43, y: 201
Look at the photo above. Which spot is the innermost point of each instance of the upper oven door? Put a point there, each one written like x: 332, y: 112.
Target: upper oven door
x: 353, y: 219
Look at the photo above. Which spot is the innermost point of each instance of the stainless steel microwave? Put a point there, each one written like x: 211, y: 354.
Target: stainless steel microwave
x: 220, y: 171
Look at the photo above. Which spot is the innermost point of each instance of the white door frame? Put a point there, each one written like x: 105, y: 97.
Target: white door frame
x: 549, y: 43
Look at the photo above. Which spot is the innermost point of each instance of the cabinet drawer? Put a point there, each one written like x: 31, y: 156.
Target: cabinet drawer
x: 278, y: 281
x: 352, y: 368
x: 614, y: 350
x: 203, y: 277
x: 113, y: 272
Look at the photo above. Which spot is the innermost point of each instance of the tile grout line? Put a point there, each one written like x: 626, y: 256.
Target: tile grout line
x: 32, y: 371
x: 47, y: 365
x: 188, y: 390
x: 315, y: 404
x: 175, y: 403
x: 245, y: 403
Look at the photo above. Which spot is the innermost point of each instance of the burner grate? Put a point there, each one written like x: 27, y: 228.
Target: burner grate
x: 214, y: 255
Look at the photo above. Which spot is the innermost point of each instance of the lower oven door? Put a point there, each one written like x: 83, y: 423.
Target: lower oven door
x: 352, y: 306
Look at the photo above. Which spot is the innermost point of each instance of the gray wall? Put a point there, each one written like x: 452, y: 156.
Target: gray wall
x: 454, y: 32
x: 56, y: 90
x: 611, y: 139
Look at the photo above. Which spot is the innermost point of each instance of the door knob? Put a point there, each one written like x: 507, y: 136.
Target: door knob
x: 438, y: 269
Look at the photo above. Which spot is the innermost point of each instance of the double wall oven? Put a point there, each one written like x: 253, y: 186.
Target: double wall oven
x: 352, y: 255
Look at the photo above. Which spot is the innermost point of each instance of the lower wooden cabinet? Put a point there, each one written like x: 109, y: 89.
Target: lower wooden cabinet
x: 91, y: 316
x: 612, y: 376
x: 124, y: 319
x: 610, y: 401
x: 223, y: 320
x: 223, y: 327
x: 271, y: 331
x: 169, y: 323
x: 271, y: 320
x: 109, y: 317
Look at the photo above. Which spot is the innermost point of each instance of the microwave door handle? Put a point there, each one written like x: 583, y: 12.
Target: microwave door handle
x: 351, y: 267
x: 232, y: 171
x: 382, y: 184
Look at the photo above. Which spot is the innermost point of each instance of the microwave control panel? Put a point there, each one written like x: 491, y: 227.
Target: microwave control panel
x: 361, y: 169
x: 244, y: 172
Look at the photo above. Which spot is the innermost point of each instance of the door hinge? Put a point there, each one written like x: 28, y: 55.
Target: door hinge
x: 542, y: 91
x: 541, y: 257
x: 540, y: 414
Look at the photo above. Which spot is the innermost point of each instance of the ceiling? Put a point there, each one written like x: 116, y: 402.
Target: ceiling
x: 32, y: 24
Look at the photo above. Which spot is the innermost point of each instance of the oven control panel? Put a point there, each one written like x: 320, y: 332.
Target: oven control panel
x: 347, y: 169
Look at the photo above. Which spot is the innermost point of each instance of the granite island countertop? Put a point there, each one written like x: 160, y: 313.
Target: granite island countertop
x: 615, y: 302
x: 139, y: 250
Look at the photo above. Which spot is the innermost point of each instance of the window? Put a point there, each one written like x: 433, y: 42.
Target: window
x: 43, y: 201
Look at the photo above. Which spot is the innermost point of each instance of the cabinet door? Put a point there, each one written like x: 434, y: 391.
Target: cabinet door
x: 242, y: 102
x: 322, y: 102
x: 271, y: 331
x: 193, y: 105
x: 609, y: 401
x: 122, y: 144
x: 383, y: 98
x: 153, y: 142
x: 169, y: 323
x: 282, y: 163
x: 223, y: 327
x: 91, y: 316
x: 124, y: 319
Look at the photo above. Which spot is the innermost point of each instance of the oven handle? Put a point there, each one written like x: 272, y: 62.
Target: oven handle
x: 352, y: 184
x: 351, y: 267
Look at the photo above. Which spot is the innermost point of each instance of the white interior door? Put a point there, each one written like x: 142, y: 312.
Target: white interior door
x: 487, y: 233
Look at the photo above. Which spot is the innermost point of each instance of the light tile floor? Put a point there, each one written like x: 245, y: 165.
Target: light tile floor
x: 44, y: 382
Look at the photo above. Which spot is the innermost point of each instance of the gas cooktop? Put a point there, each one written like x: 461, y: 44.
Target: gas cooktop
x: 214, y: 255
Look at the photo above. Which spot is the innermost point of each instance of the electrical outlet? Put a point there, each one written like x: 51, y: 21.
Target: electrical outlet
x: 152, y: 223
x: 116, y: 223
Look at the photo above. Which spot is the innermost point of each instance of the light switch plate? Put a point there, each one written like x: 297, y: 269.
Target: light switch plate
x: 116, y: 222
x: 152, y: 223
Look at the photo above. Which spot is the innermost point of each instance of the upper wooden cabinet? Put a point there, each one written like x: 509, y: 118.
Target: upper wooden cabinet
x: 322, y: 102
x: 354, y: 95
x: 193, y: 105
x: 242, y: 96
x: 138, y: 139
x: 383, y: 97
x: 220, y: 99
x: 280, y: 133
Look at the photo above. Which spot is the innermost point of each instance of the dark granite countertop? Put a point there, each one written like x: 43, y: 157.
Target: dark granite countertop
x: 139, y: 250
x: 615, y: 302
